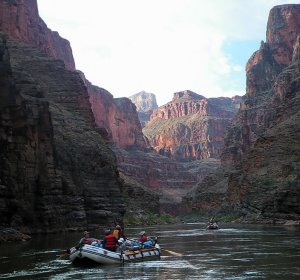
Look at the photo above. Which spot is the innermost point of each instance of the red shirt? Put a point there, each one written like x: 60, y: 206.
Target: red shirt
x: 143, y: 238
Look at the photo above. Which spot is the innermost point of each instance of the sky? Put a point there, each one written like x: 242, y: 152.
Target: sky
x: 162, y: 46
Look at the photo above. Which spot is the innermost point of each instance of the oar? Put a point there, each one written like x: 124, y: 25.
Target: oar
x: 62, y: 255
x: 172, y: 252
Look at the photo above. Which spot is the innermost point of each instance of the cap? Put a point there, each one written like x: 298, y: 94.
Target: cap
x: 142, y: 233
x: 118, y: 226
x: 86, y: 232
x: 107, y: 232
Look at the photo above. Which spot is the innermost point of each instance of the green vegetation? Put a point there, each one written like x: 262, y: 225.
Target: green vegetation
x: 253, y: 216
x: 148, y: 218
x: 283, y: 180
x: 158, y: 126
x: 267, y: 181
x: 229, y: 218
x: 225, y: 218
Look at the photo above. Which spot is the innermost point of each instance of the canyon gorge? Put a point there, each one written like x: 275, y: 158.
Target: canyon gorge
x: 73, y: 157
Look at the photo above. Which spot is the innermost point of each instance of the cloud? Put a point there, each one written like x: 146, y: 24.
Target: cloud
x: 160, y: 46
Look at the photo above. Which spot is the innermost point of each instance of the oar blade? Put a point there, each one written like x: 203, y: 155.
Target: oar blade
x: 172, y: 252
x: 60, y: 256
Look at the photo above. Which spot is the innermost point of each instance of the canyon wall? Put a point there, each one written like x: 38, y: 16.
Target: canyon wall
x: 19, y: 19
x: 190, y: 127
x: 118, y: 116
x: 259, y: 177
x: 56, y: 170
x: 169, y: 178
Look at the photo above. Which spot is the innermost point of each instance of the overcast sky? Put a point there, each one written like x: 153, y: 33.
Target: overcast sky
x: 162, y: 46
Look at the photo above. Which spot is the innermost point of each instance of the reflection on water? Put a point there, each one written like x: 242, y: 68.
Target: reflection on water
x: 235, y: 252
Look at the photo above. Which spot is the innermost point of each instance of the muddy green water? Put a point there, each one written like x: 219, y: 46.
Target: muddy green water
x: 233, y: 252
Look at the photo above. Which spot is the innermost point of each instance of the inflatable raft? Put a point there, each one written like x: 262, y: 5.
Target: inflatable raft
x: 103, y: 256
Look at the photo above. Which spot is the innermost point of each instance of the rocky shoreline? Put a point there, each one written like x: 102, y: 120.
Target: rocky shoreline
x: 10, y: 234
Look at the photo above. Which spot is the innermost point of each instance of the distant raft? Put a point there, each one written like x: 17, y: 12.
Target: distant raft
x: 103, y: 256
x: 212, y: 226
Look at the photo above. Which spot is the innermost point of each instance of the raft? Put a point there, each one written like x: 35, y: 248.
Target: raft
x: 212, y: 226
x: 102, y: 256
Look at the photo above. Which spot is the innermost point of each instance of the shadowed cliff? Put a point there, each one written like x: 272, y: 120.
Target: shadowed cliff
x: 56, y: 170
x: 259, y: 177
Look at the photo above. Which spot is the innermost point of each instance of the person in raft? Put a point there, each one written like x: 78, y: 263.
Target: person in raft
x: 143, y: 237
x: 145, y: 241
x: 86, y: 239
x: 109, y: 242
x: 118, y: 232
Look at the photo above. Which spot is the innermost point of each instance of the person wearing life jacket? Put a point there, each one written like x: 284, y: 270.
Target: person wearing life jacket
x: 143, y: 237
x: 86, y: 239
x: 118, y: 232
x: 109, y: 242
x: 145, y: 241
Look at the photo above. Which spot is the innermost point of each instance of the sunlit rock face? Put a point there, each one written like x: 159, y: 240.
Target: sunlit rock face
x: 117, y: 116
x: 191, y: 127
x: 145, y: 103
x: 260, y: 162
x: 19, y: 19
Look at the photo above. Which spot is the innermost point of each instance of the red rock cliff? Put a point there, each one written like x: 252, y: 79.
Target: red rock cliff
x: 117, y: 116
x: 190, y: 126
x: 19, y: 19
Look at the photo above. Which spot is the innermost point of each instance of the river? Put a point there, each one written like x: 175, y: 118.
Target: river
x: 235, y: 252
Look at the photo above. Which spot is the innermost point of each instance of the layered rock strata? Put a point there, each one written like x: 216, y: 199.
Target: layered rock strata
x: 117, y: 116
x: 56, y: 173
x: 190, y: 127
x: 261, y: 156
x: 169, y: 178
x: 19, y: 19
x: 139, y: 199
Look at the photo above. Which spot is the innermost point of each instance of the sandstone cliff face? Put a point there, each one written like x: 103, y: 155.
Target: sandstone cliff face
x: 117, y: 116
x: 145, y: 103
x: 19, y: 19
x: 263, y: 68
x: 171, y: 179
x: 260, y: 162
x: 56, y: 173
x: 190, y: 126
x: 272, y: 166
